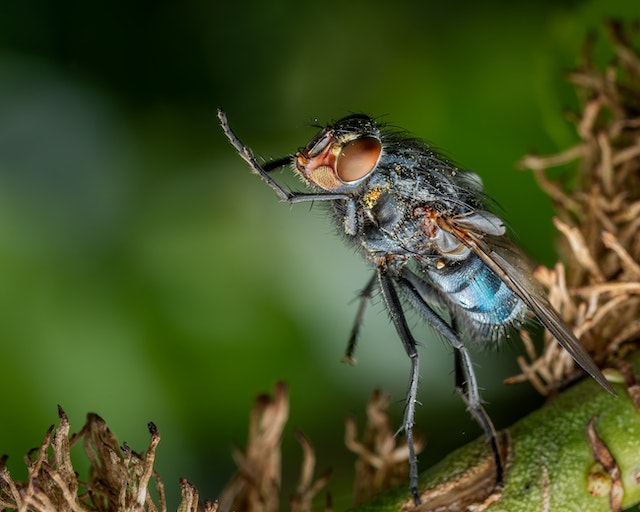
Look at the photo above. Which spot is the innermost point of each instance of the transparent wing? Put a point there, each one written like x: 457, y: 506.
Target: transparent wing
x: 521, y: 285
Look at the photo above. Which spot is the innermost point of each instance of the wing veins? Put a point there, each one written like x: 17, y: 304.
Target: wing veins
x: 541, y: 308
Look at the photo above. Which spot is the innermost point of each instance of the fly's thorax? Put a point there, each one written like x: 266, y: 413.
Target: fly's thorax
x: 399, y: 215
x: 388, y: 227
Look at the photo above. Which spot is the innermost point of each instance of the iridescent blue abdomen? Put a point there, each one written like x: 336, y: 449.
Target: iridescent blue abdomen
x: 487, y: 305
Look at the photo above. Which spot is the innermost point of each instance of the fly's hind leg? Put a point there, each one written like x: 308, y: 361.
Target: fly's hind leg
x: 412, y: 285
x: 467, y: 387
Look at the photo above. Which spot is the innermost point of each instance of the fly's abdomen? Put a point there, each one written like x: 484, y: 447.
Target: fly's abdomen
x: 486, y: 306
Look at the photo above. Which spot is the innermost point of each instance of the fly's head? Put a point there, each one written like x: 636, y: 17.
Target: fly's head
x: 342, y: 156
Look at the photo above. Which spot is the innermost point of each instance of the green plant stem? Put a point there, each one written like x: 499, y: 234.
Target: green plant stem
x: 551, y: 464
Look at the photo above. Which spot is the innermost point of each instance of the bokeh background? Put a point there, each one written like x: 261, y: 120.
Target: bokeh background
x: 145, y: 274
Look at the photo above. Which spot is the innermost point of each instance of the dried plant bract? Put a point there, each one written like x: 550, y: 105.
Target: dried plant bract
x: 597, y: 286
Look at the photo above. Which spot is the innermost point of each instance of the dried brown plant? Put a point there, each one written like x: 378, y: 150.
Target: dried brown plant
x: 256, y: 486
x: 118, y: 477
x: 382, y: 456
x: 596, y: 287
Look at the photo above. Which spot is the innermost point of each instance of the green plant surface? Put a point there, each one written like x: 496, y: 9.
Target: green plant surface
x: 551, y: 464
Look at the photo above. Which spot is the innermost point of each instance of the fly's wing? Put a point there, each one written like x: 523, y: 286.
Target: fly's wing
x: 470, y: 232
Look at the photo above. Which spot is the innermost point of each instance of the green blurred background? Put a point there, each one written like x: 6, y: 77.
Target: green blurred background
x: 145, y: 274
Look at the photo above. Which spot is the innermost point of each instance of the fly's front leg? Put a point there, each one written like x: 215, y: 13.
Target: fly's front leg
x: 364, y: 297
x: 397, y: 317
x: 248, y: 156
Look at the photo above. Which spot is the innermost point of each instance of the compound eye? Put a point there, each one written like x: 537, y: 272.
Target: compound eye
x: 358, y: 158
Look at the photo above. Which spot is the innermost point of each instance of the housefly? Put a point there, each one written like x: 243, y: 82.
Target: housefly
x: 428, y: 231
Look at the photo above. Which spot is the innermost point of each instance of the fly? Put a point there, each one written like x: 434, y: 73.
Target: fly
x: 427, y: 229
